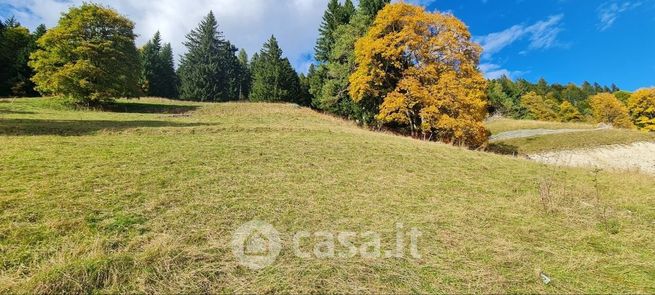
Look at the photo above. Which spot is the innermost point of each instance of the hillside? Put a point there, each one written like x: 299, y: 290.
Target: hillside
x: 146, y: 198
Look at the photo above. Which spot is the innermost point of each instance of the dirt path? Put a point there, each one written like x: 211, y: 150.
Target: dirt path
x: 535, y: 132
x: 636, y: 157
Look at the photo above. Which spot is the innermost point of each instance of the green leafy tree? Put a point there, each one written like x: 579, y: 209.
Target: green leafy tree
x: 207, y: 70
x: 499, y: 101
x: 89, y: 56
x: 273, y: 77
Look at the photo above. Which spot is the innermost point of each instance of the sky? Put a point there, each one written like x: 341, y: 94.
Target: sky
x: 604, y: 41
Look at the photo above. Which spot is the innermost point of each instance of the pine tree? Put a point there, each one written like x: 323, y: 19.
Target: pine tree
x: 151, y: 67
x: 205, y: 68
x: 371, y: 7
x: 244, y: 75
x: 168, y: 76
x: 273, y: 77
x: 332, y: 18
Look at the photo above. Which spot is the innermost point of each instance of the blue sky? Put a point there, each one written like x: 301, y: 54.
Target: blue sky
x: 563, y: 40
x: 604, y: 41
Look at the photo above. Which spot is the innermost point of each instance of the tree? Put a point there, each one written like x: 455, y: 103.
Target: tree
x: 422, y: 68
x: 207, y: 70
x: 499, y: 101
x: 89, y: 56
x: 152, y: 66
x: 169, y: 80
x: 16, y: 45
x: 606, y: 108
x: 623, y: 96
x: 245, y: 76
x: 273, y: 77
x: 538, y: 107
x: 332, y: 18
x: 569, y: 113
x: 371, y: 8
x: 542, y: 87
x: 642, y: 108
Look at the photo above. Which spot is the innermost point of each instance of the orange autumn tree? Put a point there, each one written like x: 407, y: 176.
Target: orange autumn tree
x: 421, y: 69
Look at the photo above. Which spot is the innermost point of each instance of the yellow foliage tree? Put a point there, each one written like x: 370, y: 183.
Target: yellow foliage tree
x: 606, y: 108
x: 421, y: 70
x: 642, y: 107
x: 538, y: 108
x: 569, y: 113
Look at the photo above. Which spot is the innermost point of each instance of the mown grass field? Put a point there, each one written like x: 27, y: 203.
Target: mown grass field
x: 499, y: 125
x: 146, y: 198
x: 593, y: 137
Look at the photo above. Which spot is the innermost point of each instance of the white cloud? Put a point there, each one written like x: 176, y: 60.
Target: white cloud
x: 542, y: 35
x: 494, y: 71
x: 246, y: 23
x: 608, y: 12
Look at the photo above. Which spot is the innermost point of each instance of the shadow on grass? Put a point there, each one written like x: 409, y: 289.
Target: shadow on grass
x: 503, y: 149
x: 147, y: 108
x: 21, y: 127
x: 8, y: 112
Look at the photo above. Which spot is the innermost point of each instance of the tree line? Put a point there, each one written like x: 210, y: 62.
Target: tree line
x: 393, y: 66
x: 593, y: 103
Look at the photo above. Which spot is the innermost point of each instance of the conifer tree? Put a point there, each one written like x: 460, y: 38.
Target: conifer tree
x: 244, y: 75
x: 371, y: 7
x: 168, y: 76
x: 151, y: 67
x: 335, y: 15
x: 273, y: 77
x: 205, y: 69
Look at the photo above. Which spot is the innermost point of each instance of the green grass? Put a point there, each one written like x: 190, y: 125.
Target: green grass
x: 561, y: 141
x: 146, y: 200
x: 499, y: 125
x: 573, y: 140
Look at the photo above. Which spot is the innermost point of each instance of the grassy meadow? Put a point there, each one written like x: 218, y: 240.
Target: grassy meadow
x: 144, y: 198
x: 585, y: 136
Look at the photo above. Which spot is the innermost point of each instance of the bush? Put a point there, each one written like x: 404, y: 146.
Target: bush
x: 89, y: 56
x: 606, y: 108
x: 642, y: 108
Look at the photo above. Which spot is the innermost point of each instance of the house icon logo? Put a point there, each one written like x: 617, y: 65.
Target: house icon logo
x: 256, y: 244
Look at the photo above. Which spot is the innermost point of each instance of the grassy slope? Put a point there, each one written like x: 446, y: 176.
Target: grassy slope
x: 499, y: 125
x: 148, y: 202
